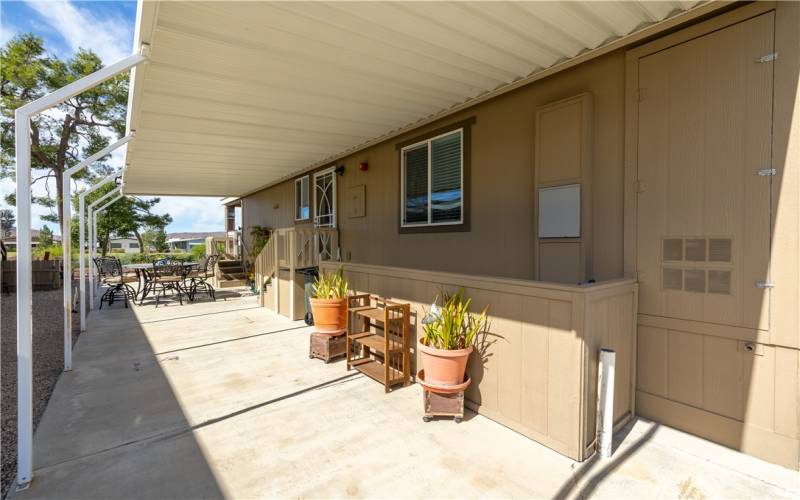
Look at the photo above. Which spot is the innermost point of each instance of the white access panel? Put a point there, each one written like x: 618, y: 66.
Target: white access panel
x: 560, y: 211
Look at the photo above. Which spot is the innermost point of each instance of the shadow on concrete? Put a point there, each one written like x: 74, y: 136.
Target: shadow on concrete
x: 594, y: 471
x: 114, y: 428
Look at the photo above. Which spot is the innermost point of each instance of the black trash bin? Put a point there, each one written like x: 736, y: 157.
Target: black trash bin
x: 310, y: 274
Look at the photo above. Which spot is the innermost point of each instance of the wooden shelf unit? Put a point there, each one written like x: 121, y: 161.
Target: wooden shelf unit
x: 378, y: 339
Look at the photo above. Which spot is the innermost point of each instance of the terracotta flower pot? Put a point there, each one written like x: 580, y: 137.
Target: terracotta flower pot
x: 330, y: 315
x: 444, y: 367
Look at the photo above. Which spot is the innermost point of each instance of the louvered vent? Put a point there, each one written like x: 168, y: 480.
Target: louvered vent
x: 673, y: 279
x: 719, y: 282
x: 695, y: 250
x: 673, y: 249
x: 694, y: 280
x: 719, y: 250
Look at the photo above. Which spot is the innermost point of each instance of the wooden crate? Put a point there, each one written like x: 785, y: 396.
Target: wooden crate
x: 326, y: 347
x: 443, y: 405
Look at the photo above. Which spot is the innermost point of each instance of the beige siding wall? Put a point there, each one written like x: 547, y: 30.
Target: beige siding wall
x: 501, y: 241
x: 535, y: 371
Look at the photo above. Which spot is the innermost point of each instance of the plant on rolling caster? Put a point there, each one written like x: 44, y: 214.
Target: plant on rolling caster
x: 450, y: 333
x: 329, y: 303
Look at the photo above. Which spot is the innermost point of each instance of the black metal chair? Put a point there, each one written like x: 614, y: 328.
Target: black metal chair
x: 165, y: 276
x: 110, y: 272
x: 198, y: 278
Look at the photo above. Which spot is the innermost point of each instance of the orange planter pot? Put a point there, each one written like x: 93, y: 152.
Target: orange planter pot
x: 444, y: 367
x: 330, y: 315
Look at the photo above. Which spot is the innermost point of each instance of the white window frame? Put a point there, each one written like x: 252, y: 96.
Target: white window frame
x: 297, y: 195
x: 430, y: 222
x: 332, y: 171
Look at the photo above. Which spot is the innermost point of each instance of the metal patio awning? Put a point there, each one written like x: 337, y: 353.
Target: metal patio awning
x: 240, y: 95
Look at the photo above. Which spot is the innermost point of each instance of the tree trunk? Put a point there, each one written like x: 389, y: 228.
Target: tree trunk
x: 139, y: 239
x: 58, y: 168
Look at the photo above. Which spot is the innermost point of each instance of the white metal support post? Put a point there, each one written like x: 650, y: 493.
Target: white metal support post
x: 93, y: 241
x: 66, y: 241
x: 22, y: 116
x: 116, y: 199
x: 98, y: 211
x: 82, y: 241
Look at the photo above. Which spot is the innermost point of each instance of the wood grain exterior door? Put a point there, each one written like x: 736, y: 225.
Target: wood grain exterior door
x: 703, y: 208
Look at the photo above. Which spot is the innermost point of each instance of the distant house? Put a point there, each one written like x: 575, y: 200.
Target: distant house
x: 10, y: 238
x: 185, y: 241
x: 125, y: 245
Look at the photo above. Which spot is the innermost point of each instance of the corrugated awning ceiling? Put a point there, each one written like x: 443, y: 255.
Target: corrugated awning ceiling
x: 238, y: 95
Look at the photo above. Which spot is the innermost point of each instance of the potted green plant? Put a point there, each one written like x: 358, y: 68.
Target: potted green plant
x: 329, y: 303
x: 450, y: 334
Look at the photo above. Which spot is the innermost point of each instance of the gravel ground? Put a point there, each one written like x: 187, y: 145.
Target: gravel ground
x: 48, y: 363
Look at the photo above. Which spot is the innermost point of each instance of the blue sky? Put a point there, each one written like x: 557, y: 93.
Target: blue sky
x: 105, y: 27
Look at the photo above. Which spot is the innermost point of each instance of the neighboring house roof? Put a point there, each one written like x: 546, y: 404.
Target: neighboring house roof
x: 193, y: 236
x: 12, y: 235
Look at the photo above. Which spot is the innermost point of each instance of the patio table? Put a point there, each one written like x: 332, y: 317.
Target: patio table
x: 138, y: 267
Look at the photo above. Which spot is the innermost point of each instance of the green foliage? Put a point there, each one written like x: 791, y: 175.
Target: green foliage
x: 198, y: 252
x: 454, y: 327
x: 129, y: 215
x: 137, y: 258
x: 53, y: 250
x: 259, y: 237
x: 45, y: 236
x: 155, y: 236
x: 79, y: 127
x: 7, y: 220
x: 330, y: 285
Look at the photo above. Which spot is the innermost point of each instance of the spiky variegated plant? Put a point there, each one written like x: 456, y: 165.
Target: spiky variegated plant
x: 454, y: 327
x: 330, y: 285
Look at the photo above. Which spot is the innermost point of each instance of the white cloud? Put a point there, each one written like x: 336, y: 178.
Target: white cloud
x: 7, y: 32
x: 190, y: 214
x: 110, y: 38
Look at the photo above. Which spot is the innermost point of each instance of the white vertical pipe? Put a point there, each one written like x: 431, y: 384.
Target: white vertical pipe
x: 66, y: 240
x: 81, y: 260
x: 605, y: 402
x: 66, y: 247
x: 91, y: 259
x: 24, y: 301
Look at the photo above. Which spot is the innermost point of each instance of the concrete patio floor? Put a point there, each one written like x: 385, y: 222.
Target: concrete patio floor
x: 219, y: 399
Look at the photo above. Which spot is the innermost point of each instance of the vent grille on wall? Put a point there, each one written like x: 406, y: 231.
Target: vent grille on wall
x: 713, y: 277
x: 695, y: 250
x: 719, y: 282
x: 694, y: 280
x: 719, y: 250
x: 673, y: 279
x: 673, y: 249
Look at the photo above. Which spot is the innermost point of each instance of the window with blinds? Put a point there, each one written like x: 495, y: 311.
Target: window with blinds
x: 432, y: 178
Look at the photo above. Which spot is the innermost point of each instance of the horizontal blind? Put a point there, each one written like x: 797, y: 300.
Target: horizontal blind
x: 416, y: 185
x: 446, y: 192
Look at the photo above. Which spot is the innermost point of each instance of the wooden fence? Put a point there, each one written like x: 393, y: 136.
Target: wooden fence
x: 46, y: 274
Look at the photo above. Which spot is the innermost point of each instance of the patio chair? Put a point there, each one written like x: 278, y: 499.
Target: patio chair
x: 163, y: 277
x: 198, y: 279
x: 111, y: 274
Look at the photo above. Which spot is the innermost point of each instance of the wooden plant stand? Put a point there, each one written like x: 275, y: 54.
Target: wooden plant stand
x: 378, y: 343
x: 442, y: 405
x: 442, y: 400
x: 326, y: 347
